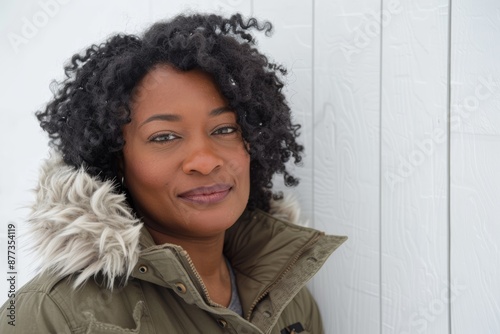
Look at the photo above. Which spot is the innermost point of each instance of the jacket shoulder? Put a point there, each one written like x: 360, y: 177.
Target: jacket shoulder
x: 48, y: 305
x: 34, y: 310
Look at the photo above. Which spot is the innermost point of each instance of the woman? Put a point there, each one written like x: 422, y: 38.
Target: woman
x: 154, y: 214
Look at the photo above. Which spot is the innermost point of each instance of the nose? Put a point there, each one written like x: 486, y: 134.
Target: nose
x: 202, y: 158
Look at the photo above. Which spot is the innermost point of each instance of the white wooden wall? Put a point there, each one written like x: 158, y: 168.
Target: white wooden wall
x: 400, y: 106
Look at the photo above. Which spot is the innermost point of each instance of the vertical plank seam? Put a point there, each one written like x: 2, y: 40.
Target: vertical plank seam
x: 448, y: 158
x: 313, y: 111
x: 380, y: 169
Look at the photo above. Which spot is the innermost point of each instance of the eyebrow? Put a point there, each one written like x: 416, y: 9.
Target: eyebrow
x: 220, y: 110
x: 177, y: 118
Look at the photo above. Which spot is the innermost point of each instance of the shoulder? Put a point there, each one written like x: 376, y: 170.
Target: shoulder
x: 59, y: 290
x: 33, y: 309
x: 48, y: 305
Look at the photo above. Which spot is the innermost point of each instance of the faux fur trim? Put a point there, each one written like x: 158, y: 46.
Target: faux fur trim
x: 287, y: 209
x: 80, y: 226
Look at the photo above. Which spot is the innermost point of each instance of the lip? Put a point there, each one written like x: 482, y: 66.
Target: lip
x: 206, y: 194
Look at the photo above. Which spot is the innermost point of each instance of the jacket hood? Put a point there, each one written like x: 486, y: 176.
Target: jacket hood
x: 80, y: 225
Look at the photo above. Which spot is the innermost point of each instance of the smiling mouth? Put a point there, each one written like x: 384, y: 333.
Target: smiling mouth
x: 206, y: 195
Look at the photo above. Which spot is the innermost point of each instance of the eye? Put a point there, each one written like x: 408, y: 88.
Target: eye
x: 163, y: 138
x: 225, y: 130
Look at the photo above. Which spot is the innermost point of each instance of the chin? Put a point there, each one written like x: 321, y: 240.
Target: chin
x: 220, y: 218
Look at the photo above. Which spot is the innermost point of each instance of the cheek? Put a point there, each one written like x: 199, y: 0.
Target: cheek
x: 239, y: 166
x: 141, y: 174
x: 138, y: 174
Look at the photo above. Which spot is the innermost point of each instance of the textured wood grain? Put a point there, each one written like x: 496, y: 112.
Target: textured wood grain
x: 475, y: 184
x: 414, y: 231
x: 160, y: 10
x: 376, y: 155
x: 346, y: 162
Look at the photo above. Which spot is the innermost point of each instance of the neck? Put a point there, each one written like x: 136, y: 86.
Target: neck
x: 208, y: 259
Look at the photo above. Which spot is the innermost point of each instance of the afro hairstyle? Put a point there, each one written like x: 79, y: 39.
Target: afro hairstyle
x: 84, y: 119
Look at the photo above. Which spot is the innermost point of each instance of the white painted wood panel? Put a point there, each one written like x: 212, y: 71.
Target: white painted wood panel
x: 161, y: 10
x: 475, y: 162
x: 346, y: 161
x: 376, y: 165
x: 414, y: 175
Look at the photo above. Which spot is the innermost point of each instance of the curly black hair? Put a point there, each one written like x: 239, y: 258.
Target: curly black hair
x: 84, y: 120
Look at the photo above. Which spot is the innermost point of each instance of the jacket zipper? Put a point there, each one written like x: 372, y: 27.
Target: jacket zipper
x: 187, y: 258
x: 301, y: 251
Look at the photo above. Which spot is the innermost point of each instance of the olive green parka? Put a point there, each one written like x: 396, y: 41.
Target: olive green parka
x: 101, y: 271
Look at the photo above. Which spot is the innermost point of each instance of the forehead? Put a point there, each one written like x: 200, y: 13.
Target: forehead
x: 166, y: 89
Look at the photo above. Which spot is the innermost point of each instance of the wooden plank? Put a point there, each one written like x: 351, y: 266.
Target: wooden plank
x: 161, y: 10
x: 346, y: 161
x: 475, y: 183
x: 414, y: 230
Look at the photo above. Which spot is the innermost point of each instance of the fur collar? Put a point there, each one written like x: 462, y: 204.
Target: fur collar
x: 80, y: 226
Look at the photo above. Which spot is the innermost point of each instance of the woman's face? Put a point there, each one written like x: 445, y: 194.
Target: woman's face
x: 184, y: 161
